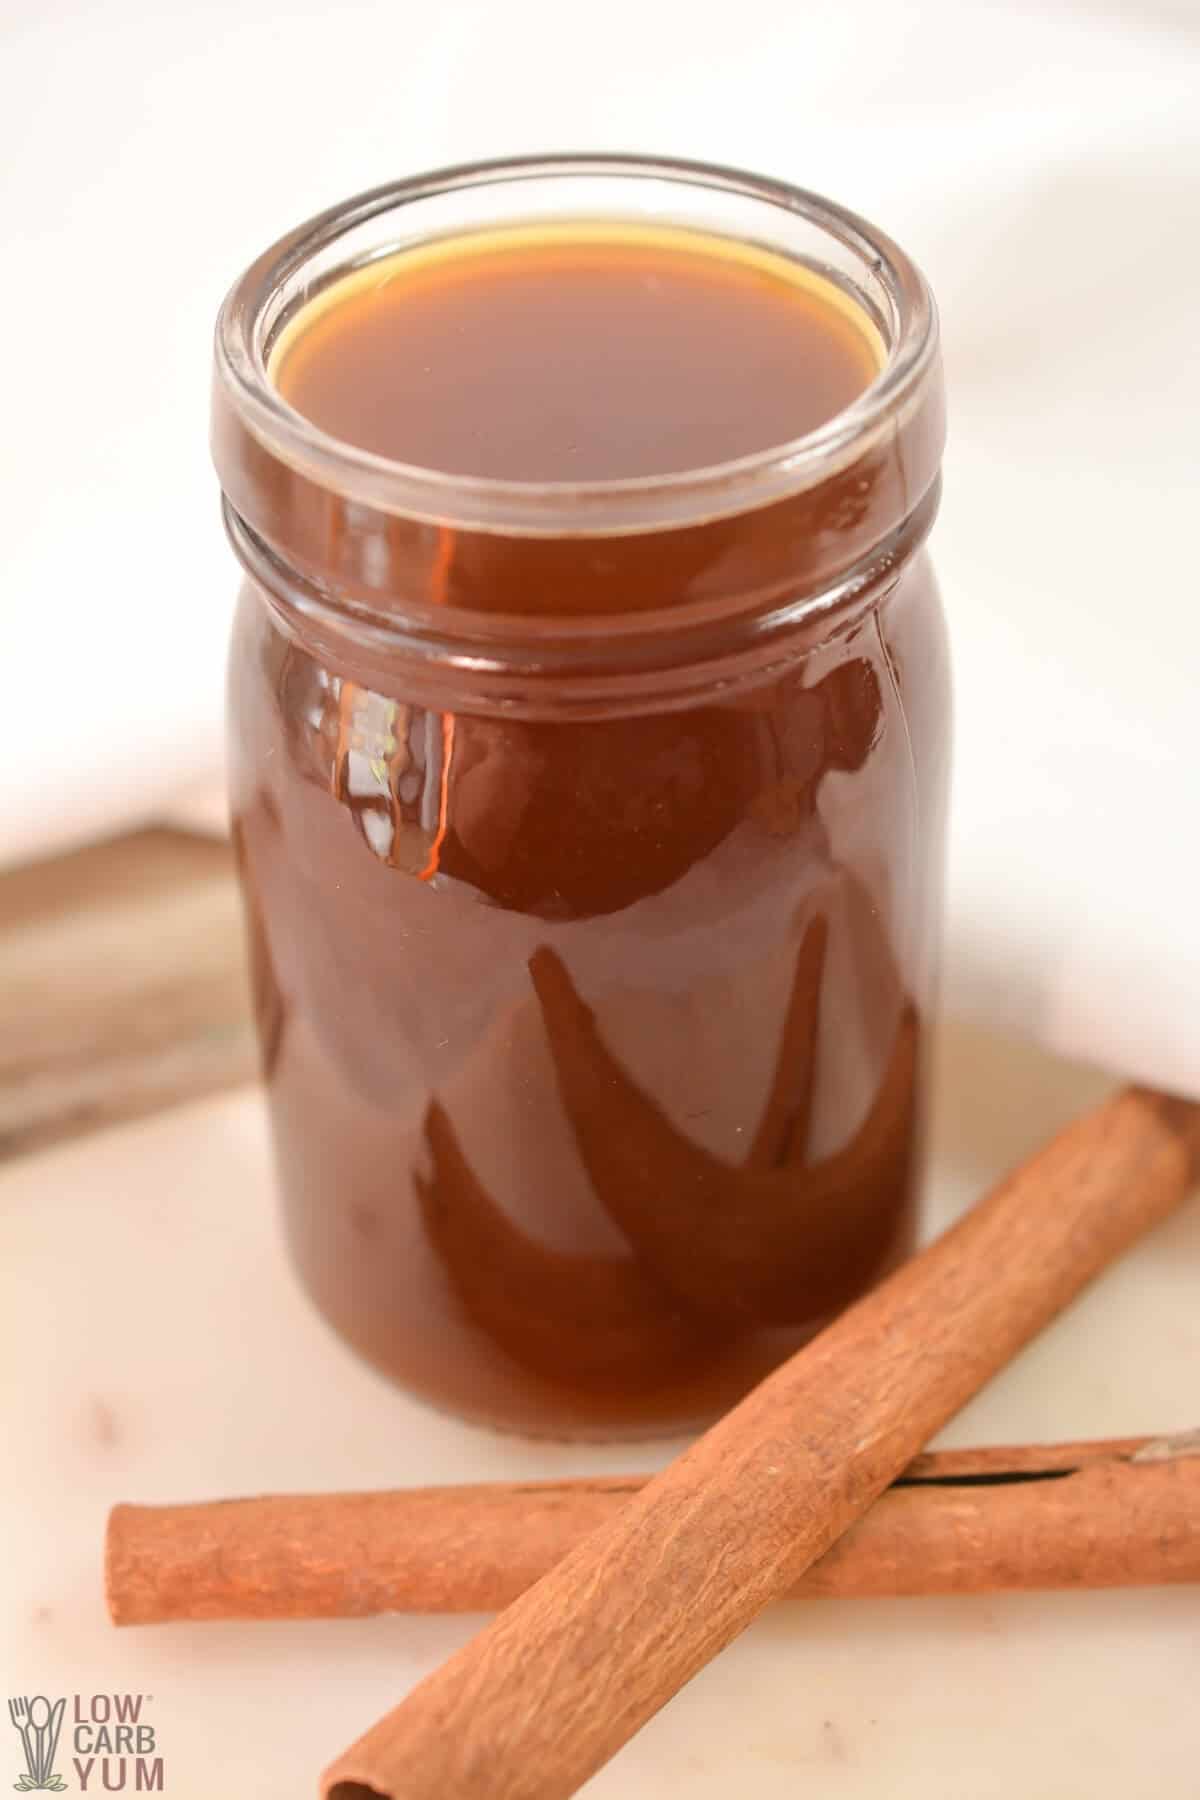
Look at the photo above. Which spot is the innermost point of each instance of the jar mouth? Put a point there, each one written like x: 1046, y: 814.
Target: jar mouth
x: 841, y: 246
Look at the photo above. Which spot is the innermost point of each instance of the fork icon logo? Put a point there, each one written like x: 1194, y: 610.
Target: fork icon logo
x: 37, y: 1722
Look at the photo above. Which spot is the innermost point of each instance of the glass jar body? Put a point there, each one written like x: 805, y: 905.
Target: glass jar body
x: 594, y: 1045
x: 591, y: 839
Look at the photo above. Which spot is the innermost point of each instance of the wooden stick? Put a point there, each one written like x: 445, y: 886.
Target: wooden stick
x: 553, y: 1687
x: 124, y: 979
x: 1117, y: 1514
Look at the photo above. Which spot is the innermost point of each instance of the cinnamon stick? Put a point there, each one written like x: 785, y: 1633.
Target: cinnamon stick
x: 545, y: 1694
x: 1122, y: 1513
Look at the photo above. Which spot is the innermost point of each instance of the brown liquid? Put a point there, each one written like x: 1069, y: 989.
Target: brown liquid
x: 575, y: 357
x: 593, y: 1043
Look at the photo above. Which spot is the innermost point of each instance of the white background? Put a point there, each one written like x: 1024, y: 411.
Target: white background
x: 1043, y: 164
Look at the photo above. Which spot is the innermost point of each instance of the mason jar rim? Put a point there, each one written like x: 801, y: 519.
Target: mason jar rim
x: 620, y: 506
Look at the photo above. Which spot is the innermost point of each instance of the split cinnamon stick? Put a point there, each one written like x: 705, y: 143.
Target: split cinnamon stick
x: 1123, y: 1513
x: 553, y: 1687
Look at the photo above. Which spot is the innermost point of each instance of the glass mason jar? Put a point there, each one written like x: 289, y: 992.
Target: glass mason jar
x: 593, y: 948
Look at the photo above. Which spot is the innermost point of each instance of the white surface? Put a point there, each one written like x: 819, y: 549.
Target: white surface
x: 156, y: 1348
x: 1041, y: 160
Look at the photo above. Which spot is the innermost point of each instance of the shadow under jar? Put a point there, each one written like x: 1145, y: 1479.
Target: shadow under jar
x: 589, y: 741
